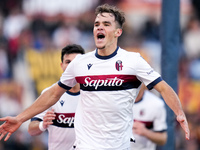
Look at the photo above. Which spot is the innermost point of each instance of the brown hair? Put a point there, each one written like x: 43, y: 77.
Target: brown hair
x: 119, y: 15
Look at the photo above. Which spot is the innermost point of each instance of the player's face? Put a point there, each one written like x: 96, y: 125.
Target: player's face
x: 67, y: 58
x: 105, y: 31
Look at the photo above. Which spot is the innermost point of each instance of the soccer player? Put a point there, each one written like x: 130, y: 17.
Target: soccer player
x: 59, y: 119
x: 109, y: 78
x: 149, y: 127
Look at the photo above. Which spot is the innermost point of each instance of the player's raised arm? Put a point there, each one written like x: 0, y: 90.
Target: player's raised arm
x: 173, y: 102
x: 43, y: 102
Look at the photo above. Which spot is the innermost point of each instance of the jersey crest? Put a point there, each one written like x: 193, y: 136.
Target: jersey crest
x: 118, y: 65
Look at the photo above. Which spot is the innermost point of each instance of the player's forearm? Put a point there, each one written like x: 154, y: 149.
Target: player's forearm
x: 38, y: 106
x: 34, y: 129
x: 158, y: 138
x: 174, y: 103
x: 170, y: 98
x: 43, y: 102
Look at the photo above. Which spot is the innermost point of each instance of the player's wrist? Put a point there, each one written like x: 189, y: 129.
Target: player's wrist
x: 41, y: 127
x: 20, y: 118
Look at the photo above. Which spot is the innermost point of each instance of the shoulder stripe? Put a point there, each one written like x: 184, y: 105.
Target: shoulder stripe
x: 152, y: 84
x: 63, y: 85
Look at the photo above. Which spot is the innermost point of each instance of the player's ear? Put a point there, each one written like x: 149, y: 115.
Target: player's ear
x: 118, y: 32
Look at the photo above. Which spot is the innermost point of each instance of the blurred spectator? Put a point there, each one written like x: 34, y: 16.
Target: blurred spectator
x: 10, y: 97
x: 51, y: 7
x: 194, y: 69
x: 7, y: 5
x: 192, y: 38
x: 4, y: 64
x: 151, y: 29
x: 196, y: 6
x: 42, y: 41
x: 14, y: 23
x: 65, y: 34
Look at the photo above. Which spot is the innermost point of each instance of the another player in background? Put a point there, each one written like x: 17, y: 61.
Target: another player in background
x: 59, y: 119
x: 110, y: 78
x: 149, y: 127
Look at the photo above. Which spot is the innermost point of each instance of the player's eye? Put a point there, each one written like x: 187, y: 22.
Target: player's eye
x: 67, y: 62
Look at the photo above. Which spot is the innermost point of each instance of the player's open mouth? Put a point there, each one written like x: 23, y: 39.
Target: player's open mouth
x: 100, y: 36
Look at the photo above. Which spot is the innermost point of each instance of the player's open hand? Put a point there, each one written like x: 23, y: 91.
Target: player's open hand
x: 10, y: 125
x: 184, y: 124
x: 48, y: 118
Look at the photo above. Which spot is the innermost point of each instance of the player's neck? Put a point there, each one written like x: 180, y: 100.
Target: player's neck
x: 107, y: 50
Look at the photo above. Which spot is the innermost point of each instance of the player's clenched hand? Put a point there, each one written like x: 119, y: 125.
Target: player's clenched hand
x: 138, y: 128
x: 10, y: 125
x: 184, y: 124
x: 48, y: 118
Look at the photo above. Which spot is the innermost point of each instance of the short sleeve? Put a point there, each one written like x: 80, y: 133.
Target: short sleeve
x: 146, y: 73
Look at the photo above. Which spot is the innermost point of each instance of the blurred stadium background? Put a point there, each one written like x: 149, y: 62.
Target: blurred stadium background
x: 32, y: 33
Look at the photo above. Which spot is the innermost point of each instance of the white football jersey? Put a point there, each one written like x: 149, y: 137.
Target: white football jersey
x: 150, y: 111
x: 109, y: 85
x: 61, y: 134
